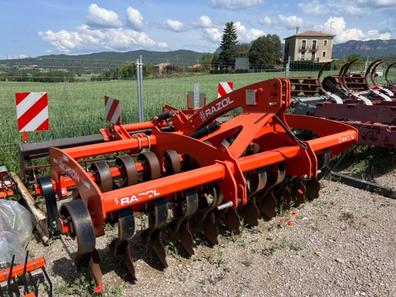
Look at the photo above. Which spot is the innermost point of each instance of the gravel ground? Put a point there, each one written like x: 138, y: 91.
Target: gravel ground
x: 342, y: 244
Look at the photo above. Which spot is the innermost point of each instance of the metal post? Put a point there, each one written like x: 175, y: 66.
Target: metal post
x: 287, y: 68
x: 138, y: 90
x: 141, y: 88
x: 196, y: 96
x: 366, y: 64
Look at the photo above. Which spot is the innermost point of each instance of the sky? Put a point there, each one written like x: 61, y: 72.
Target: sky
x: 38, y: 27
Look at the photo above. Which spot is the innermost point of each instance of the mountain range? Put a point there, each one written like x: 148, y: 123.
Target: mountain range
x: 106, y: 59
x: 370, y: 48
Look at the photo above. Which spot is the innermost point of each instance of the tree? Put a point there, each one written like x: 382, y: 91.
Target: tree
x: 128, y: 70
x: 265, y: 51
x: 206, y: 61
x: 228, y: 45
x: 242, y: 50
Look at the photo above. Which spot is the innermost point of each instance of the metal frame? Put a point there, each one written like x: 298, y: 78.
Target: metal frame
x: 263, y: 122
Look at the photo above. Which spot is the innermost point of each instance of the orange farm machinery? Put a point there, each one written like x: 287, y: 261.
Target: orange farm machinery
x: 354, y: 98
x: 186, y: 171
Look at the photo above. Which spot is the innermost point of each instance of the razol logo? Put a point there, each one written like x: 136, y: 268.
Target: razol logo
x: 218, y: 106
x: 134, y: 198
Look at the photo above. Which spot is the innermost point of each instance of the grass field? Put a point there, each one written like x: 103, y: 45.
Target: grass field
x: 78, y: 109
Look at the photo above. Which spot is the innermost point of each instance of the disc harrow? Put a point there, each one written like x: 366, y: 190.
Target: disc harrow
x: 189, y: 174
x: 349, y: 97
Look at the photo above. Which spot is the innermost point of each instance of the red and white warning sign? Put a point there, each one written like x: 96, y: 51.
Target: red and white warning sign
x: 113, y: 110
x: 32, y: 111
x: 224, y: 88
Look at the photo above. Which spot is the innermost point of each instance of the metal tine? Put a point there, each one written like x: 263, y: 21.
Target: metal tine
x: 210, y: 229
x: 250, y: 212
x: 158, y: 219
x: 205, y: 219
x: 312, y: 189
x: 157, y: 244
x: 94, y: 268
x: 231, y: 220
x: 50, y: 287
x: 283, y: 196
x: 298, y: 191
x: 25, y: 285
x: 184, y: 209
x: 121, y: 246
x: 32, y: 281
x: 267, y: 203
x: 10, y: 276
x: 287, y: 199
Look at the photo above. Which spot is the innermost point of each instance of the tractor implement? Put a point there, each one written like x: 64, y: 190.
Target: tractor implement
x: 190, y: 173
x: 347, y: 97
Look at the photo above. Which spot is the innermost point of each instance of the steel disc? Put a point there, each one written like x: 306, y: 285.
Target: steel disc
x: 151, y: 164
x: 129, y: 175
x: 82, y: 227
x: 102, y: 175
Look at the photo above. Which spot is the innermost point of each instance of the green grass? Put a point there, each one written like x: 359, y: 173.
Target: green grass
x: 78, y: 108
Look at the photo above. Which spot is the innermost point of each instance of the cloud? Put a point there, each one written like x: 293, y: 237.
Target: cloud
x: 290, y: 22
x: 87, y: 38
x: 234, y: 4
x: 247, y: 35
x: 135, y: 18
x: 313, y: 7
x: 62, y: 40
x: 378, y: 3
x: 280, y: 20
x: 103, y: 31
x: 212, y: 32
x: 174, y: 25
x: 98, y: 16
x: 343, y: 7
x: 337, y: 26
x: 265, y: 20
x: 17, y: 57
x: 205, y: 22
x: 162, y: 44
x: 254, y: 33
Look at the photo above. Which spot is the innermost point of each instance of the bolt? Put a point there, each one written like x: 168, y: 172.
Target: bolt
x: 225, y: 205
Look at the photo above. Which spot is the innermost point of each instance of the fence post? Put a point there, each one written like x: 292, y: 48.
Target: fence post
x: 366, y: 64
x: 139, y: 88
x: 196, y: 95
x: 287, y: 68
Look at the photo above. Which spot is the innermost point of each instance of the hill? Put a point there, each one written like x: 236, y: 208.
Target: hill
x: 369, y: 48
x: 103, y: 59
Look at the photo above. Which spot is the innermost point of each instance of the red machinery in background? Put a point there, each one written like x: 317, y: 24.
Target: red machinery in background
x: 348, y: 97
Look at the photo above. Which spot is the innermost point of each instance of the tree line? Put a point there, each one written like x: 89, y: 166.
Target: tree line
x: 263, y: 53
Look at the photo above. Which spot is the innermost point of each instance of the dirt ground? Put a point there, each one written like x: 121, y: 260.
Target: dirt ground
x: 342, y: 244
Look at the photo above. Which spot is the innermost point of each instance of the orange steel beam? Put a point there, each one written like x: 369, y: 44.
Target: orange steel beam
x: 110, y: 147
x: 17, y: 270
x: 186, y: 180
